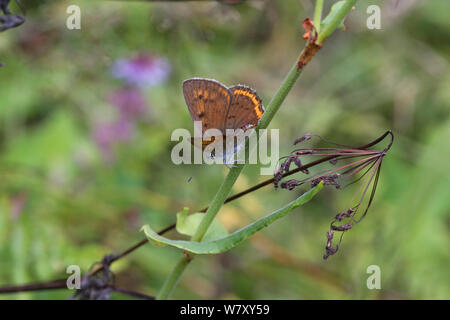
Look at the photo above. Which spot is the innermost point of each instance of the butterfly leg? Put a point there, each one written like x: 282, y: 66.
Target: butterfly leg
x: 228, y: 161
x: 229, y: 165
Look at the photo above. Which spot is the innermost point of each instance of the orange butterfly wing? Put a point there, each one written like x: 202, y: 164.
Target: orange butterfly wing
x: 245, y: 109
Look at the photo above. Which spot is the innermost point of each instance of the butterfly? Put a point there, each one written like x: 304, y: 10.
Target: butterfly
x: 220, y: 107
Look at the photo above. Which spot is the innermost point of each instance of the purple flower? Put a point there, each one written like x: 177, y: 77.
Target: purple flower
x: 18, y: 203
x: 108, y: 134
x: 143, y: 70
x: 123, y: 129
x: 130, y: 102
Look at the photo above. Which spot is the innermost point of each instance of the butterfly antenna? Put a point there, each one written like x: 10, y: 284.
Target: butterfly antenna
x: 195, y: 171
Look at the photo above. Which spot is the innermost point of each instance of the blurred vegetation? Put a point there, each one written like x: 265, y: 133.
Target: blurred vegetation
x: 63, y: 203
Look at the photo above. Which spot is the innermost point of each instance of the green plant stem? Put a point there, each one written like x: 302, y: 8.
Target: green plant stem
x: 318, y: 14
x: 227, y: 184
x: 225, y: 188
x: 172, y: 280
x: 234, y: 173
x: 279, y: 97
x: 334, y: 23
x: 220, y: 197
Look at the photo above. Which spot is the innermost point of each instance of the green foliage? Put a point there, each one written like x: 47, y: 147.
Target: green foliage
x: 332, y: 15
x: 187, y: 224
x: 62, y: 204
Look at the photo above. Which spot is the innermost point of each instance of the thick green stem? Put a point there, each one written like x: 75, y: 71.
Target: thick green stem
x: 220, y: 197
x: 318, y: 14
x: 173, y: 278
x: 234, y: 173
x: 334, y: 23
x: 225, y: 188
x: 228, y: 183
x: 279, y: 97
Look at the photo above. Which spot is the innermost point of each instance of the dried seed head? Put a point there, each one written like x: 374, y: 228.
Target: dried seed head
x: 357, y: 164
x: 290, y: 184
x: 304, y: 138
x: 278, y: 175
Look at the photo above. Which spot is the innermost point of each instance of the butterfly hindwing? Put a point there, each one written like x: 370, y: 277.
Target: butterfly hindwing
x: 245, y: 109
x: 208, y: 101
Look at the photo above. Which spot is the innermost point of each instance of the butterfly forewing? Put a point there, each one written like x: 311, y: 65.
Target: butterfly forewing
x: 208, y: 101
x: 245, y: 109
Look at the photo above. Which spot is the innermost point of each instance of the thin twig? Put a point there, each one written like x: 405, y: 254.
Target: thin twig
x: 55, y: 284
x: 62, y: 284
x: 132, y: 293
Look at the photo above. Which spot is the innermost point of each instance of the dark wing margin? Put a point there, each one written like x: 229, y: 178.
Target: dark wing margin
x: 208, y: 101
x: 245, y: 110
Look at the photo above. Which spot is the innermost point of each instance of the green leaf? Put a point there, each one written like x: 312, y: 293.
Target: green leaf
x: 187, y: 224
x: 232, y: 240
x: 335, y: 8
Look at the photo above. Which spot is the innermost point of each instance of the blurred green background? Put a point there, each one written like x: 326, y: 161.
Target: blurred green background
x: 74, y: 187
